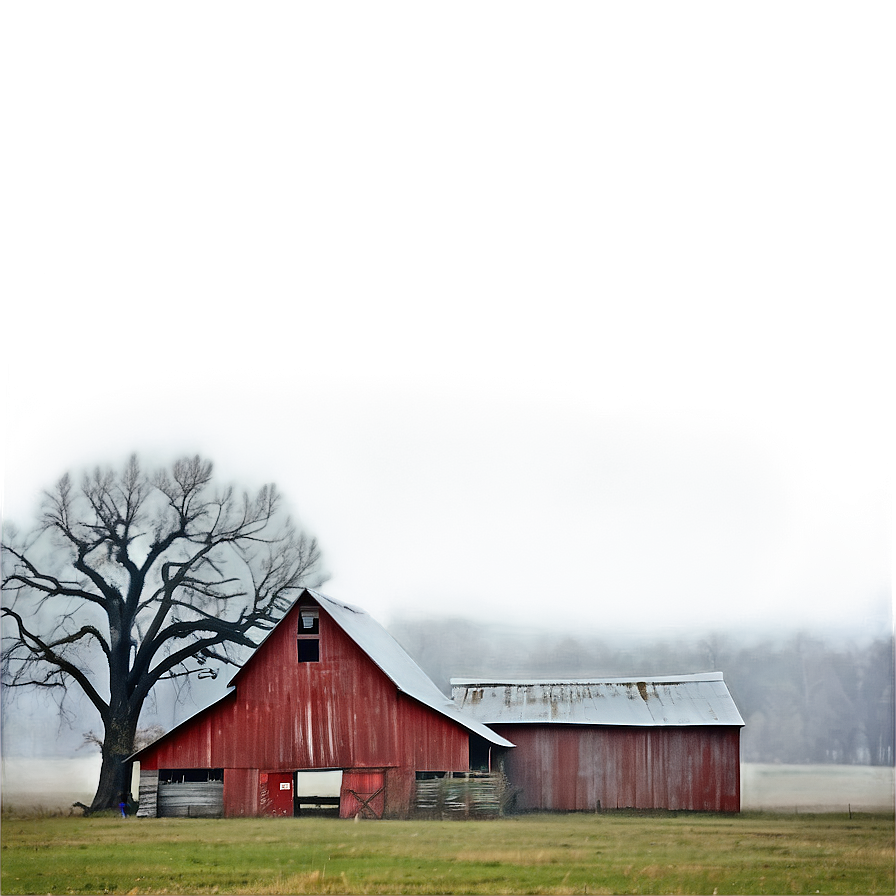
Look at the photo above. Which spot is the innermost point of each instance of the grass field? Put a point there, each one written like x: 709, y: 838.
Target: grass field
x: 576, y: 853
x: 614, y: 853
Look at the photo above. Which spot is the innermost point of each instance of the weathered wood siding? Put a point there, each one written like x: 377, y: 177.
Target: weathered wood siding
x: 341, y: 712
x: 472, y: 795
x: 191, y: 799
x: 148, y: 793
x: 363, y: 793
x: 241, y: 792
x: 572, y: 767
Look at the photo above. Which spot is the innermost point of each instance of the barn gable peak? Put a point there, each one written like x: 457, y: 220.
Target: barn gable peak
x: 385, y: 652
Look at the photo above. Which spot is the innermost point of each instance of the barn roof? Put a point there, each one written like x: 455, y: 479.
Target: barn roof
x: 402, y: 671
x: 669, y: 700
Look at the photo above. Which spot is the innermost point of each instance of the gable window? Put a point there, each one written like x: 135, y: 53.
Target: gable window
x: 309, y: 621
x: 308, y: 635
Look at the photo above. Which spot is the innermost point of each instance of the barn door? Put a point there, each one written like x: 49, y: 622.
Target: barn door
x: 363, y: 793
x: 276, y: 793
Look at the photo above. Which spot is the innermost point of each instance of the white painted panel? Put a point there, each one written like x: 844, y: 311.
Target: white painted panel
x: 319, y: 783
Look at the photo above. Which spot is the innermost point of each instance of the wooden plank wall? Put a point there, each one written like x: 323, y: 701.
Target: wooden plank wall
x: 191, y: 799
x: 585, y: 768
x: 241, y: 792
x: 149, y: 788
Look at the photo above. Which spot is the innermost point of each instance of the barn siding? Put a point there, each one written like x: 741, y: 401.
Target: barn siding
x: 400, y: 790
x: 148, y: 794
x: 341, y: 712
x: 570, y: 767
x: 192, y: 799
x: 363, y: 793
x: 240, y: 792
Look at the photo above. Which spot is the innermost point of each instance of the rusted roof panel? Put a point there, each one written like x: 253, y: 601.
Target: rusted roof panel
x: 672, y: 700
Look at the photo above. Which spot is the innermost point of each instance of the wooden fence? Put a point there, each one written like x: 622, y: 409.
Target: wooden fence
x: 464, y: 795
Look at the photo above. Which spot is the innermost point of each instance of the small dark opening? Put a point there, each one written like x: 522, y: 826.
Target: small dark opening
x: 480, y: 754
x: 190, y: 775
x: 320, y: 806
x: 308, y: 650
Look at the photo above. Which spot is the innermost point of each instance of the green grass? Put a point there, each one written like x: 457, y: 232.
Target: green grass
x: 784, y: 848
x: 606, y: 853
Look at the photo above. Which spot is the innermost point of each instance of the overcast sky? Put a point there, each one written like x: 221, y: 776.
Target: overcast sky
x: 569, y: 312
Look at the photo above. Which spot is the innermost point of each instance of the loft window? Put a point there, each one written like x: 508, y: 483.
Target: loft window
x: 309, y: 621
x: 308, y: 636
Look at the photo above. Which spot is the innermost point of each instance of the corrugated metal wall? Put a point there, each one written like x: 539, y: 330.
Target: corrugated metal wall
x: 571, y: 767
x: 341, y: 712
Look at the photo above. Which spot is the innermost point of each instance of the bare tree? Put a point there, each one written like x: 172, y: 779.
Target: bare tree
x: 134, y: 578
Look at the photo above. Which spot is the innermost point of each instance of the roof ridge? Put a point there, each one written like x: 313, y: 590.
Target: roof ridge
x: 626, y: 679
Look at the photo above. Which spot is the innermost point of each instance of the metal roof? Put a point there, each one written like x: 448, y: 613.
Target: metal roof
x: 673, y: 700
x: 404, y: 673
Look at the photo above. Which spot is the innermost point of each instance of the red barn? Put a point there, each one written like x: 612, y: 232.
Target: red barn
x: 670, y: 742
x: 328, y: 713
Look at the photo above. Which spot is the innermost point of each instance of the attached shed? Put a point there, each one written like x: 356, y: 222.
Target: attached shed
x: 328, y: 715
x: 669, y: 742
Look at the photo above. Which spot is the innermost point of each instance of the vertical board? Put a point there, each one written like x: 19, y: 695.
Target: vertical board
x: 241, y: 792
x: 400, y: 791
x: 363, y: 793
x: 148, y: 794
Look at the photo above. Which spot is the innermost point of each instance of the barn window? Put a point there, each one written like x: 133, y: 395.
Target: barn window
x: 308, y: 635
x: 309, y: 650
x: 309, y: 621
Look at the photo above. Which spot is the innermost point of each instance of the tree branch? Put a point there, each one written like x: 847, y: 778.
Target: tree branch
x: 40, y: 649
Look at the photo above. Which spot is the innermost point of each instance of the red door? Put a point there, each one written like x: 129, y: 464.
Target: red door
x: 363, y: 793
x: 276, y: 793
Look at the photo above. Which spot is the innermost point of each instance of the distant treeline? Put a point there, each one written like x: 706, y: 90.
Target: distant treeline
x: 804, y: 699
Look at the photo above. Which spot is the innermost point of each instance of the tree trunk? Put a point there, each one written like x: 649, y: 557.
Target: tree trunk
x: 115, y: 772
x: 115, y: 783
